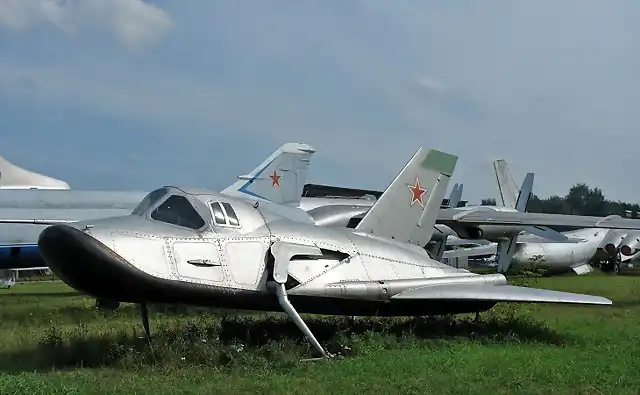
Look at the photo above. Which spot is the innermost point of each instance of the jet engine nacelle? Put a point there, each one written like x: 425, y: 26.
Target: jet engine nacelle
x: 630, y: 245
x: 612, y: 241
x: 467, y: 232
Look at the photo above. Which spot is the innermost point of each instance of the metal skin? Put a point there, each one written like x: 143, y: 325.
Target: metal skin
x: 250, y: 257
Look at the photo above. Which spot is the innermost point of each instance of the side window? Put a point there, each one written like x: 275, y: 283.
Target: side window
x: 231, y: 215
x: 224, y: 215
x: 218, y: 214
x: 177, y: 210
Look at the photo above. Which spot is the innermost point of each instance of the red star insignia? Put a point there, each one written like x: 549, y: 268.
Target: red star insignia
x: 275, y: 179
x: 416, y: 193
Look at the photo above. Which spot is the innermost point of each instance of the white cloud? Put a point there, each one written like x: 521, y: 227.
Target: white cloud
x: 133, y: 22
x: 366, y: 82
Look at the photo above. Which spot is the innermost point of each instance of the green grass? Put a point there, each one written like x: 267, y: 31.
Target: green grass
x: 52, y: 341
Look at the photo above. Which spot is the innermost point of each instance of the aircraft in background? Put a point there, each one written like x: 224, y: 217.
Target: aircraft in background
x: 329, y: 212
x: 176, y: 248
x: 582, y: 247
x: 14, y: 177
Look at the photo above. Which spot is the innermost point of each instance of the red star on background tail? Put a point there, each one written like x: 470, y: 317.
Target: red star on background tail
x: 416, y: 193
x: 275, y: 179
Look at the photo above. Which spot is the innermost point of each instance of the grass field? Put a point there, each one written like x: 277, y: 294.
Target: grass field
x: 52, y: 341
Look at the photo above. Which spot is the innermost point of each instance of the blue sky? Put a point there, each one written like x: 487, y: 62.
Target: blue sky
x: 125, y: 94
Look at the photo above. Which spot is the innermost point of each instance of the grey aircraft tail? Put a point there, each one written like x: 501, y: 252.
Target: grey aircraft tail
x: 506, y: 185
x: 518, y: 199
x: 279, y: 179
x: 408, y: 209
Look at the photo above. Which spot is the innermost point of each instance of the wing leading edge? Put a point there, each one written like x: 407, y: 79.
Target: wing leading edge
x: 498, y: 293
x: 487, y: 216
x: 37, y: 221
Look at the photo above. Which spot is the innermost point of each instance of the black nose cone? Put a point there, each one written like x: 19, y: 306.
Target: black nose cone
x: 79, y: 260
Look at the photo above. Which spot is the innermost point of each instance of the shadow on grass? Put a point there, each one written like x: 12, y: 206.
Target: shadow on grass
x: 254, y: 341
x: 39, y: 295
x: 626, y: 303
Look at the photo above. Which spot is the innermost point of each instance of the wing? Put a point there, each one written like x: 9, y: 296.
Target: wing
x: 472, y: 251
x: 37, y: 221
x: 498, y: 293
x: 453, y: 241
x: 487, y: 216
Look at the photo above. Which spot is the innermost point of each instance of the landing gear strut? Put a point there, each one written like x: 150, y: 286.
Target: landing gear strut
x: 612, y: 264
x: 144, y: 313
x: 282, y: 253
x: 107, y: 304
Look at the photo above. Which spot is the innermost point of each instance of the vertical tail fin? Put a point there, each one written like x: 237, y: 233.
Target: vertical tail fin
x: 456, y: 195
x: 14, y: 177
x: 280, y: 178
x: 506, y: 185
x: 408, y: 209
x: 525, y: 193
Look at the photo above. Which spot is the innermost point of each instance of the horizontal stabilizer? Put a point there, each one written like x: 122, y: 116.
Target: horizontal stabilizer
x: 498, y: 293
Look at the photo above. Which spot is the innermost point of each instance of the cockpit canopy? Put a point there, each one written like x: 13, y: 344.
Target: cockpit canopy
x: 177, y: 207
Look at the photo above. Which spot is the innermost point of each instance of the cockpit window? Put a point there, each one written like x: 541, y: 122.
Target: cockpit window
x: 149, y: 201
x: 224, y: 215
x: 177, y: 210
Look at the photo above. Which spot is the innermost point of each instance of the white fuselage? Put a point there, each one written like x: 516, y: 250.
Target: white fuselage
x: 560, y: 256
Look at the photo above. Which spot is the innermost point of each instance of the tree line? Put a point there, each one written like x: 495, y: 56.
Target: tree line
x: 581, y: 200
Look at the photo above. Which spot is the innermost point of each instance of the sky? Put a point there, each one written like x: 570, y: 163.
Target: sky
x: 126, y: 94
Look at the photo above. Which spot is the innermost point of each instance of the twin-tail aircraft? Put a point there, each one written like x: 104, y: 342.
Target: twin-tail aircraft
x: 209, y: 249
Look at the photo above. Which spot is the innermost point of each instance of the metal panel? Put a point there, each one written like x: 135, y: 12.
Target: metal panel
x: 246, y: 258
x: 205, y: 261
